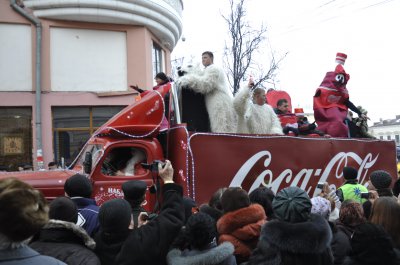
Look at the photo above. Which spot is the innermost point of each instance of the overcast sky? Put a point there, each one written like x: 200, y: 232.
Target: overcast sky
x: 312, y: 32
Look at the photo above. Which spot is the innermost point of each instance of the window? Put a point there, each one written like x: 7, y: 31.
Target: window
x: 73, y: 126
x: 157, y: 57
x: 397, y: 137
x: 389, y: 137
x: 15, y: 138
x: 124, y: 161
x: 381, y: 137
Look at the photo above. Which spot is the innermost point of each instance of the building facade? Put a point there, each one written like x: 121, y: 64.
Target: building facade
x: 387, y: 129
x: 66, y: 67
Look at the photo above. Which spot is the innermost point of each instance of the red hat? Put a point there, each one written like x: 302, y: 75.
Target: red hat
x: 341, y: 58
x: 299, y: 111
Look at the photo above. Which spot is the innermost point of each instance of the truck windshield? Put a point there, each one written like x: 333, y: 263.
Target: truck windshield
x: 95, y: 149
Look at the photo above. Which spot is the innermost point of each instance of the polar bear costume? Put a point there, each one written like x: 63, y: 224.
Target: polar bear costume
x: 253, y: 118
x: 211, y: 82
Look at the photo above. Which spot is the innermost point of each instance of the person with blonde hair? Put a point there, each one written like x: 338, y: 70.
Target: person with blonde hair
x: 23, y: 212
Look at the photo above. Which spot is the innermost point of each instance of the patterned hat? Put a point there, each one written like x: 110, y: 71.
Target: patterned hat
x: 321, y: 206
x: 380, y: 179
x: 340, y: 58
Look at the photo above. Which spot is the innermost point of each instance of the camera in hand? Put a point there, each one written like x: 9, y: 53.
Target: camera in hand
x: 153, y: 166
x: 365, y: 195
x: 320, y: 185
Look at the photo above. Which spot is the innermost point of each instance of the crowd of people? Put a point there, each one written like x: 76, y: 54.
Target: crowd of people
x: 351, y: 225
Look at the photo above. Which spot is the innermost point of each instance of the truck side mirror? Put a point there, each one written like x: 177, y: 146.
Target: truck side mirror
x: 87, y: 164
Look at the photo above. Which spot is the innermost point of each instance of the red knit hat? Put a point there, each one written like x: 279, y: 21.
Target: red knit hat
x: 299, y: 111
x: 341, y: 58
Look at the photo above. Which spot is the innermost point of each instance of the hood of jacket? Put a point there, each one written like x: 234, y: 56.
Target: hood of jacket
x: 210, y: 256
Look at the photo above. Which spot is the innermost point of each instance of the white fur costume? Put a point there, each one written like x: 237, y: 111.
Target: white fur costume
x: 218, y: 98
x: 253, y: 118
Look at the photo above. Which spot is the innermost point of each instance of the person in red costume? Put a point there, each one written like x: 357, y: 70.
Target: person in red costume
x: 331, y: 101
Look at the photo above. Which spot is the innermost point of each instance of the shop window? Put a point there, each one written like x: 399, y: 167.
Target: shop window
x: 15, y: 139
x: 157, y: 58
x: 73, y: 126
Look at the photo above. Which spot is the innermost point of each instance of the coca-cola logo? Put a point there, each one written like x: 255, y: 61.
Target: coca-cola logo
x: 301, y: 178
x: 333, y: 98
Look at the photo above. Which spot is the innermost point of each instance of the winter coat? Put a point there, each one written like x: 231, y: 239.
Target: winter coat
x: 87, y: 214
x: 67, y: 242
x: 242, y: 228
x: 304, y: 243
x: 215, y: 255
x: 340, y: 244
x: 253, y: 118
x: 149, y: 244
x: 108, y: 246
x: 25, y: 255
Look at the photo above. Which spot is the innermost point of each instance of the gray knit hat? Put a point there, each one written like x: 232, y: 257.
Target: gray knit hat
x: 292, y: 204
x: 380, y: 179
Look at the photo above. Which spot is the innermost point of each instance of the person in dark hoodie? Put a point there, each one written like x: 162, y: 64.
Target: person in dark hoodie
x: 62, y: 239
x: 371, y: 245
x: 297, y: 236
x: 114, y: 218
x: 79, y: 189
x: 200, y: 236
x: 149, y: 243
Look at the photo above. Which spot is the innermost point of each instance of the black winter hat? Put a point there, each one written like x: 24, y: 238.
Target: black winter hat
x: 350, y: 173
x: 115, y: 216
x: 188, y: 204
x: 134, y: 189
x: 78, y: 186
x: 380, y: 179
x: 292, y: 204
x: 64, y: 209
x: 162, y: 76
x: 234, y: 198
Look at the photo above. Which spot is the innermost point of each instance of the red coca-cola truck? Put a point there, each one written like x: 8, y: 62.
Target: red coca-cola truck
x: 204, y: 162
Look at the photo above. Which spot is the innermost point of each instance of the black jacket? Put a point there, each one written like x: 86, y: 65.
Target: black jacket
x: 149, y: 243
x: 340, y: 244
x: 67, y: 242
x: 108, y: 246
x: 284, y: 243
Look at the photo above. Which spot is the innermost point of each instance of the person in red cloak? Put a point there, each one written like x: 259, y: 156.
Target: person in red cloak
x: 331, y: 101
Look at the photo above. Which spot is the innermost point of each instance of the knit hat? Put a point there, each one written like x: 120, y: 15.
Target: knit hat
x: 292, y: 204
x: 321, y: 206
x: 340, y: 58
x: 115, y: 216
x: 78, y: 186
x: 64, y: 209
x: 234, y: 198
x: 380, y: 179
x: 350, y: 173
x: 134, y: 189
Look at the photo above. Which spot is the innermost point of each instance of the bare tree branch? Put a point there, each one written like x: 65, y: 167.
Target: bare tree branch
x: 240, y: 49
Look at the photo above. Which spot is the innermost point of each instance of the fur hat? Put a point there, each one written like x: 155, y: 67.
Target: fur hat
x: 321, y: 206
x: 380, y: 179
x: 64, y: 209
x: 292, y: 204
x: 115, y: 216
x: 350, y: 173
x: 78, y: 186
x: 234, y: 198
x: 134, y: 189
x: 23, y: 210
x: 201, y: 230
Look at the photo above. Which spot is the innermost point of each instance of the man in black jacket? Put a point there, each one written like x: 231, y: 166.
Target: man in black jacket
x: 149, y: 243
